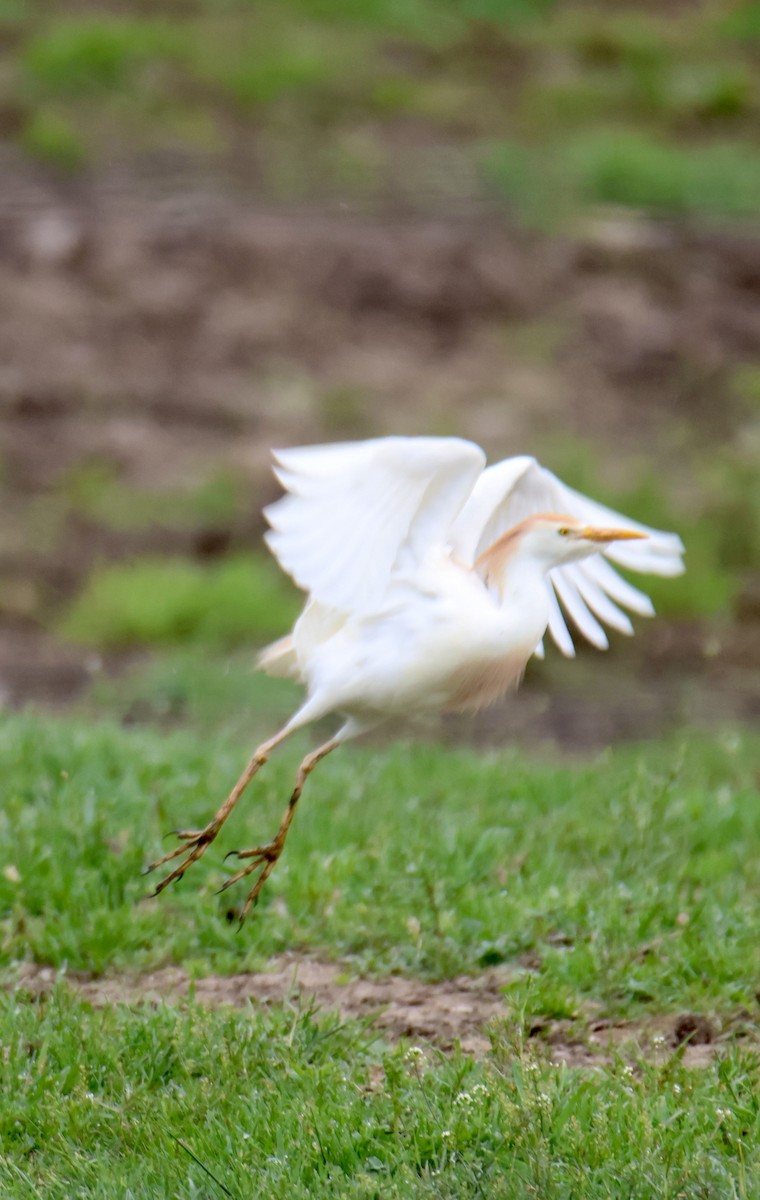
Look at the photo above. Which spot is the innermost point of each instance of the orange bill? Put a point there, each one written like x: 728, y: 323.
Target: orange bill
x: 592, y: 534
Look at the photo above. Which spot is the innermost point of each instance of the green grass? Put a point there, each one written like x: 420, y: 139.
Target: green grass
x: 634, y: 878
x: 629, y: 884
x: 162, y: 1103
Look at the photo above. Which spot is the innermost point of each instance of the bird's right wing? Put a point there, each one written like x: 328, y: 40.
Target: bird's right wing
x: 356, y: 512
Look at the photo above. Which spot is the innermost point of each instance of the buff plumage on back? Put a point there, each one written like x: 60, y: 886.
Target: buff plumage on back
x: 359, y: 515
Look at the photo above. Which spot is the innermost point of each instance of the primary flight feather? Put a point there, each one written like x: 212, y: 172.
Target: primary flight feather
x: 431, y: 580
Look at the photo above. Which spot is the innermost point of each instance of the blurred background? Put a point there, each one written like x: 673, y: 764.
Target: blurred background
x: 228, y: 225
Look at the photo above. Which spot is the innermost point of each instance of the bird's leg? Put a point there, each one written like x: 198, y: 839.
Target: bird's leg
x: 265, y: 857
x: 196, y: 841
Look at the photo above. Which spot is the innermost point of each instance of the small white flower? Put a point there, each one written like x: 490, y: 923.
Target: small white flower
x: 414, y: 1054
x: 446, y: 1134
x: 628, y: 1071
x: 480, y: 1089
x: 658, y: 1041
x: 676, y: 1090
x: 464, y: 1100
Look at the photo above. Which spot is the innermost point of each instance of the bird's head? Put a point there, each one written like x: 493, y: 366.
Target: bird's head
x: 550, y: 540
x: 558, y: 538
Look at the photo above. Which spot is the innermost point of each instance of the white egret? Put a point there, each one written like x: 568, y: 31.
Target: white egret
x: 431, y: 580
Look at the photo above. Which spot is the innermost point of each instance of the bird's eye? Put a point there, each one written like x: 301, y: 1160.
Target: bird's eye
x: 564, y: 531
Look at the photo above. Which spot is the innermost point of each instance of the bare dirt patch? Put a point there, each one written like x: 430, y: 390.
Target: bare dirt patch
x: 454, y: 1012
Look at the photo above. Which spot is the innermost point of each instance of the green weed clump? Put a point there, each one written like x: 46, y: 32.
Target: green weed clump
x: 95, y: 55
x: 52, y: 139
x: 628, y: 167
x: 624, y: 167
x: 155, y: 602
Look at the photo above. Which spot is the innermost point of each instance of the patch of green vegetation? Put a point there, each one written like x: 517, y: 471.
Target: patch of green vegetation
x: 94, y: 490
x: 739, y: 21
x: 260, y: 65
x: 632, y: 880
x: 94, y: 55
x: 243, y: 598
x: 624, y: 167
x: 290, y: 1105
x: 53, y: 140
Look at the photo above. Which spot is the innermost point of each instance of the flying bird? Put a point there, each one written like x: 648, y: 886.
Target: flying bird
x: 430, y: 582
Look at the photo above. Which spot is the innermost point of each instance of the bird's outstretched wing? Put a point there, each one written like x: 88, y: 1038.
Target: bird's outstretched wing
x: 356, y: 512
x: 590, y: 591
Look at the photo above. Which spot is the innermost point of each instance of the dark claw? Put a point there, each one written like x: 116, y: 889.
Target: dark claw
x: 229, y: 854
x: 227, y: 884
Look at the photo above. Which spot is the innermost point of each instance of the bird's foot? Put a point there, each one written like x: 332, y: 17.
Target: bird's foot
x: 194, y: 845
x: 262, y: 858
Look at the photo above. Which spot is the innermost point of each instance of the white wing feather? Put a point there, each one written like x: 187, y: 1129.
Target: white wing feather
x: 357, y: 512
x: 590, y: 590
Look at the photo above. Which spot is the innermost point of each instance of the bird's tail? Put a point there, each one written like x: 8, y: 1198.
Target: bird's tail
x: 280, y: 659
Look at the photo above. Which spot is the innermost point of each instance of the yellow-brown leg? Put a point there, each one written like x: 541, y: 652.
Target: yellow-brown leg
x: 196, y: 841
x: 265, y: 857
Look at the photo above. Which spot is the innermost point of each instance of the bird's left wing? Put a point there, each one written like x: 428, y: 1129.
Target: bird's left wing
x: 356, y: 512
x: 590, y: 591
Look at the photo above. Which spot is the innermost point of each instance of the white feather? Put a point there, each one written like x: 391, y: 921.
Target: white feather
x: 358, y: 512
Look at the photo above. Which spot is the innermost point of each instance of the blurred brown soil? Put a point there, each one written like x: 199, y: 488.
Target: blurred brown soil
x: 168, y: 335
x: 455, y: 1012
